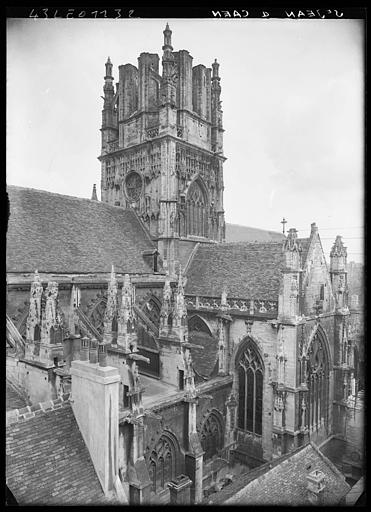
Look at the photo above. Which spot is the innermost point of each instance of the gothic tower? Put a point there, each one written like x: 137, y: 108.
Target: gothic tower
x: 162, y: 148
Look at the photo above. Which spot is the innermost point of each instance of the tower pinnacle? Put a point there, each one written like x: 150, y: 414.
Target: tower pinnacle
x: 94, y: 193
x: 108, y: 69
x: 167, y: 38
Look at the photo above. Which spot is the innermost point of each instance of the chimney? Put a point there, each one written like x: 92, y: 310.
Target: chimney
x: 315, y: 487
x: 95, y: 403
x: 84, y: 353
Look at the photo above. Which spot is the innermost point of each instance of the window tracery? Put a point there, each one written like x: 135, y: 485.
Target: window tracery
x: 317, y: 380
x: 211, y: 436
x: 250, y: 390
x: 162, y: 463
x: 196, y: 211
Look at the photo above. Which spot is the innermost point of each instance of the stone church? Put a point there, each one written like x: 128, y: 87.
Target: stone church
x: 186, y: 348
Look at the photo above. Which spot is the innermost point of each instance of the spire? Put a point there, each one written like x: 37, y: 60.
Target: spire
x: 167, y: 38
x: 108, y: 85
x: 166, y: 305
x: 292, y: 249
x: 126, y: 319
x: 94, y: 196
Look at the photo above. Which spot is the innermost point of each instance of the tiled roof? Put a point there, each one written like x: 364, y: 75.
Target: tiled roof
x: 244, y: 270
x: 284, y: 482
x: 237, y: 233
x: 13, y: 399
x: 47, y: 462
x: 56, y: 233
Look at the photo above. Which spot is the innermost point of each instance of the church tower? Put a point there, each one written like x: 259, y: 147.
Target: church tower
x: 162, y: 148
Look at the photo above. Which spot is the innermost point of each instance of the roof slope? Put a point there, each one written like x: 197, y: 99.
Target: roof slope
x: 47, y: 462
x: 237, y: 233
x: 57, y: 233
x: 244, y: 270
x: 13, y: 399
x: 284, y: 482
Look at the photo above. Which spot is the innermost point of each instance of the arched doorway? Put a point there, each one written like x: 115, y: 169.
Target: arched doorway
x: 250, y: 377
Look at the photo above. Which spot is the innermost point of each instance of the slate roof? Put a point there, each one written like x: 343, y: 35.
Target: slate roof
x: 47, y: 462
x: 57, y: 233
x: 13, y: 399
x: 245, y: 270
x: 237, y: 233
x: 284, y: 481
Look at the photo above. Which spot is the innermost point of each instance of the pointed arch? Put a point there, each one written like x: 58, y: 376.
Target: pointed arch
x: 163, y: 461
x: 317, y: 366
x: 249, y: 373
x: 197, y: 208
x: 212, y: 434
x: 199, y: 324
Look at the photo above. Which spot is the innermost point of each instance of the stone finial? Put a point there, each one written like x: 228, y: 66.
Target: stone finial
x: 338, y: 249
x: 167, y: 38
x: 291, y: 243
x: 215, y: 66
x: 34, y: 314
x: 313, y: 228
x: 108, y: 69
x: 166, y: 304
x: 94, y: 196
x: 111, y: 307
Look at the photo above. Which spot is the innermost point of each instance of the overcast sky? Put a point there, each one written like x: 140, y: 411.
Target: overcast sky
x: 292, y: 94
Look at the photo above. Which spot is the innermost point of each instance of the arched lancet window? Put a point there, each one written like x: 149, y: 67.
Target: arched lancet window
x: 37, y: 333
x: 317, y: 382
x: 196, y: 208
x: 250, y: 374
x: 211, y: 435
x: 163, y: 463
x: 114, y: 329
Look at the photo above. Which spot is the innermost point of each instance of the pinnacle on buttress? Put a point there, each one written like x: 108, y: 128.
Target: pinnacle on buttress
x: 291, y: 242
x: 94, y: 196
x: 338, y: 249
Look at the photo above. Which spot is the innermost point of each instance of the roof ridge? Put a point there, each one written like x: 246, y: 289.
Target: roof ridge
x: 327, y: 461
x: 29, y: 412
x: 252, y: 227
x: 48, y: 192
